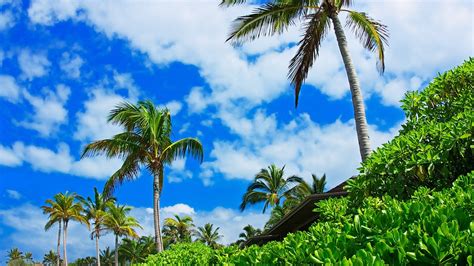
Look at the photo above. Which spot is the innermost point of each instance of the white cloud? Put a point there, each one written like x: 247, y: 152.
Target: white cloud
x: 7, y: 20
x: 9, y: 157
x: 71, y: 65
x: 174, y: 107
x: 178, y: 171
x: 49, y: 111
x: 33, y: 65
x: 13, y: 194
x: 178, y: 209
x: 9, y: 89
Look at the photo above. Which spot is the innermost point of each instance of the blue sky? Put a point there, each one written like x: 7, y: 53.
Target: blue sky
x: 65, y: 64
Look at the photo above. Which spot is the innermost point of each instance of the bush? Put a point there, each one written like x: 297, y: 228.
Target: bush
x: 434, y: 227
x: 434, y: 146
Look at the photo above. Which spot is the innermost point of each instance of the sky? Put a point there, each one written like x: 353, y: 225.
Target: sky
x: 65, y: 64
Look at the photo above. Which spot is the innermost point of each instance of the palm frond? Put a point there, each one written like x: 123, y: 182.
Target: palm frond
x: 228, y: 3
x: 252, y: 197
x: 128, y: 171
x: 182, y: 147
x: 371, y: 33
x: 315, y: 31
x: 266, y: 20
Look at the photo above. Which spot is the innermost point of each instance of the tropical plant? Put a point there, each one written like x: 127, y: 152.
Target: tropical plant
x: 14, y: 254
x: 249, y: 232
x: 50, y: 258
x: 87, y: 261
x: 275, y: 216
x: 135, y: 251
x: 106, y: 257
x: 28, y: 258
x: 274, y: 17
x: 298, y: 193
x: 64, y: 208
x: 195, y: 253
x: 208, y: 235
x: 434, y: 146
x: 178, y: 229
x: 269, y: 186
x: 96, y: 210
x: 146, y: 142
x: 120, y: 224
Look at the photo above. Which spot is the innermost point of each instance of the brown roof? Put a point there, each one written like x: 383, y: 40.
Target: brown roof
x: 299, y: 218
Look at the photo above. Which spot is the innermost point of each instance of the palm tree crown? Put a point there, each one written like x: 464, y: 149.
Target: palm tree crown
x: 269, y: 186
x: 316, y: 16
x: 208, y: 235
x: 178, y: 229
x: 145, y: 142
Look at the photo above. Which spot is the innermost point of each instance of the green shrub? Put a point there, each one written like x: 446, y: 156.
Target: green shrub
x: 433, y: 227
x: 434, y: 146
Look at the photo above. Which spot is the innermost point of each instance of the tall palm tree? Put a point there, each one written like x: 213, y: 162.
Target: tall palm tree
x: 179, y: 228
x: 249, y: 232
x: 106, y: 257
x: 14, y: 254
x: 208, y: 235
x: 50, y: 258
x: 276, y: 16
x: 95, y: 210
x: 53, y: 219
x: 145, y: 142
x: 269, y: 186
x: 64, y: 208
x: 120, y: 223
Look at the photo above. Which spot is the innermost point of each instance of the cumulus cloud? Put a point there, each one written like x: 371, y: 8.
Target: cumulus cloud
x: 9, y: 157
x: 71, y: 65
x: 49, y: 111
x: 33, y: 64
x: 13, y: 194
x: 9, y: 89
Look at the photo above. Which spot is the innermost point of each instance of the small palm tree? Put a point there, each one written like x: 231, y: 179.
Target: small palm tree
x: 28, y: 258
x: 277, y: 214
x: 178, y: 229
x: 14, y: 254
x: 274, y: 17
x: 269, y: 186
x: 95, y: 210
x: 249, y: 232
x: 303, y: 190
x: 64, y: 208
x: 145, y: 142
x: 208, y: 235
x: 50, y: 258
x: 106, y: 257
x: 120, y: 223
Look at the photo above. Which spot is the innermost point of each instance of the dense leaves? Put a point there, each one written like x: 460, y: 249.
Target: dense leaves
x: 433, y: 227
x: 434, y: 146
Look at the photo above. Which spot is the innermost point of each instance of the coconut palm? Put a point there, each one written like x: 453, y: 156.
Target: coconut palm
x: 28, y: 258
x: 269, y: 186
x: 120, y: 223
x: 50, y: 258
x: 208, y: 235
x: 95, y: 210
x: 64, y: 208
x: 277, y: 214
x: 274, y: 17
x: 145, y: 142
x: 14, y: 254
x: 106, y: 257
x: 249, y: 232
x: 54, y: 219
x: 178, y: 229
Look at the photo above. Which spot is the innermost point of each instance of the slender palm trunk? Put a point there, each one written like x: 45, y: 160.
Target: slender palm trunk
x: 116, y: 250
x: 58, y: 260
x: 97, y: 248
x: 65, y: 242
x: 156, y: 212
x: 357, y: 99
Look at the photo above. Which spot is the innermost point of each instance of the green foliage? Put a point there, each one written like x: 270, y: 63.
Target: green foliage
x: 182, y: 254
x: 433, y: 227
x: 434, y: 146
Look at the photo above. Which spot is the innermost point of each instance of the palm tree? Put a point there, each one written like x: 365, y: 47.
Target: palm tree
x: 53, y: 219
x: 106, y: 257
x: 14, y: 254
x: 118, y: 222
x: 304, y: 189
x: 50, y: 258
x: 276, y: 16
x: 64, y: 208
x: 178, y: 229
x: 28, y: 258
x: 145, y: 142
x: 277, y: 214
x: 208, y: 235
x: 269, y: 186
x: 249, y: 232
x: 95, y: 210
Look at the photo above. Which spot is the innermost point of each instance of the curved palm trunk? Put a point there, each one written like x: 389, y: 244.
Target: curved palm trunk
x: 357, y: 99
x: 97, y: 249
x: 156, y: 212
x: 116, y: 250
x: 58, y: 260
x: 65, y: 243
